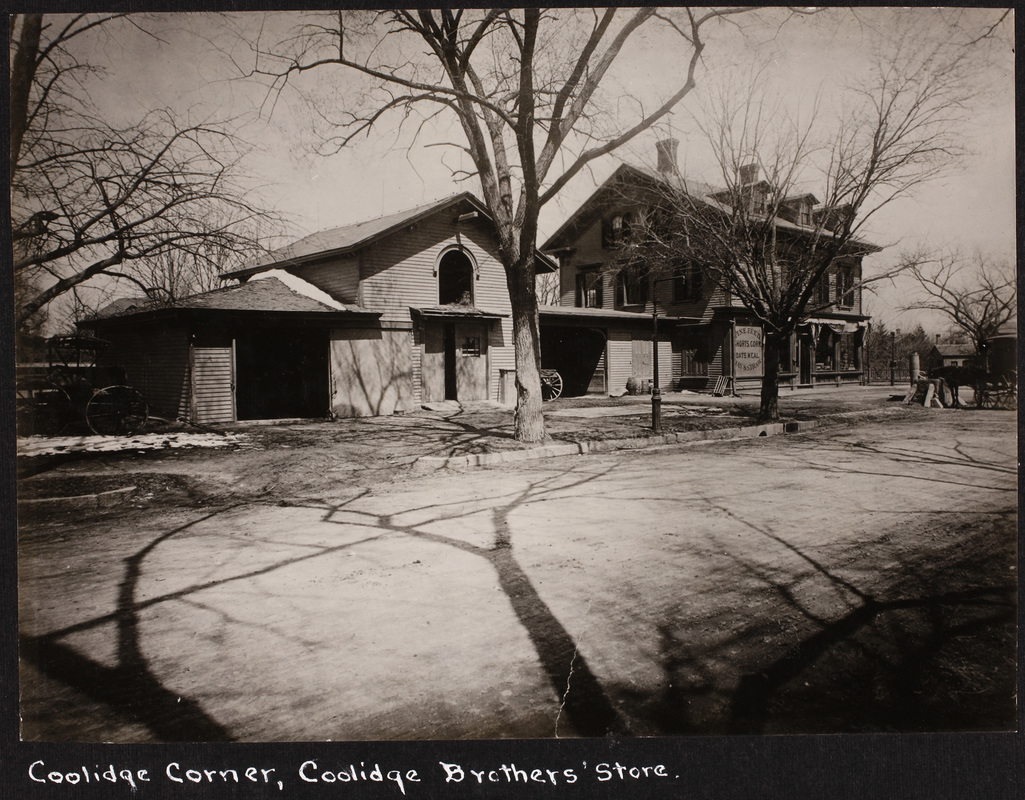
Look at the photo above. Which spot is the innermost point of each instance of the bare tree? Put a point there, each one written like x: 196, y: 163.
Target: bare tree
x: 531, y: 92
x: 761, y: 235
x: 976, y: 295
x: 91, y: 198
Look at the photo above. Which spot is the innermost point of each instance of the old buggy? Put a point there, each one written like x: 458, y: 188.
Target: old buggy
x: 72, y: 388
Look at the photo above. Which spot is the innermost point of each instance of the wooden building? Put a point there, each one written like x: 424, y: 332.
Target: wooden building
x: 703, y: 332
x: 389, y: 313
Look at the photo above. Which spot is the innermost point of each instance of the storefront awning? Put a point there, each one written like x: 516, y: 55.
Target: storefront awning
x: 835, y: 325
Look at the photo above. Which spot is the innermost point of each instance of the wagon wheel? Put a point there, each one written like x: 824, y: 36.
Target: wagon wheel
x: 551, y: 384
x: 116, y: 411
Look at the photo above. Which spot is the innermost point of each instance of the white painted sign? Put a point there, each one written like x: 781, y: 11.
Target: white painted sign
x: 747, y: 350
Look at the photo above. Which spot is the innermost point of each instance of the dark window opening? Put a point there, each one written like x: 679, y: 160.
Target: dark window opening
x: 822, y: 290
x: 616, y: 230
x: 631, y: 289
x: 589, y: 289
x: 687, y: 282
x: 455, y: 279
x: 845, y: 286
x: 825, y: 351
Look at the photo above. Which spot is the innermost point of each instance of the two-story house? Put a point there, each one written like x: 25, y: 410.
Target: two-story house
x: 703, y: 331
x: 373, y: 318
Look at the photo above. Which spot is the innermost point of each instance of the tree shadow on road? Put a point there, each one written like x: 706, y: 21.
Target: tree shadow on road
x: 853, y: 655
x: 131, y: 688
x: 928, y: 645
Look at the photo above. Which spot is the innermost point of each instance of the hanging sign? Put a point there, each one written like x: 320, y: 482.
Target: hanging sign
x: 747, y: 350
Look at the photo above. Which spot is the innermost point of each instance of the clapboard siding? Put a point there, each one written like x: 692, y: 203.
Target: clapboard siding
x: 371, y: 372
x: 503, y: 354
x: 620, y: 359
x: 416, y: 364
x: 212, y: 377
x: 665, y: 364
x: 399, y: 271
x: 338, y: 277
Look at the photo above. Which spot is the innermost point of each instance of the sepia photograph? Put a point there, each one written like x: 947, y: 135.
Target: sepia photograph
x: 467, y: 375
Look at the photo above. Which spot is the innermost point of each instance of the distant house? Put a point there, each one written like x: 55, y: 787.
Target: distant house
x: 951, y: 355
x: 601, y: 331
x: 371, y: 318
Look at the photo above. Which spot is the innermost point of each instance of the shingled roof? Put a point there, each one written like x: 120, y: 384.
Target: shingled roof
x: 351, y: 238
x: 267, y: 295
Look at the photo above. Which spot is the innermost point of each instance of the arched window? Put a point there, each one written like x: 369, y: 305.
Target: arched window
x: 455, y: 278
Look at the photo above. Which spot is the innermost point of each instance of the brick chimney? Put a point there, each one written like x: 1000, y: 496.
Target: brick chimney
x: 748, y: 174
x: 667, y: 155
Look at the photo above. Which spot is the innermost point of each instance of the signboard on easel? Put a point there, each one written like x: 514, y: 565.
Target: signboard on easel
x: 747, y: 350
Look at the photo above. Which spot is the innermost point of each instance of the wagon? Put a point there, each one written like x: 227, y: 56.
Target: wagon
x: 998, y: 390
x: 72, y: 387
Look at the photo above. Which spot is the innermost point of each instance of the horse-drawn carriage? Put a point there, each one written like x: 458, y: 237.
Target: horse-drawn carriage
x: 992, y: 389
x: 74, y: 388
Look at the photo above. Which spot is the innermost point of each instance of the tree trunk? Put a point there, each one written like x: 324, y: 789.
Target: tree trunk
x: 769, y: 409
x: 529, y: 419
x: 23, y: 68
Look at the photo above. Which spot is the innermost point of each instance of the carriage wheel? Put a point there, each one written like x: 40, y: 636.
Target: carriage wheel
x: 116, y: 411
x: 551, y: 384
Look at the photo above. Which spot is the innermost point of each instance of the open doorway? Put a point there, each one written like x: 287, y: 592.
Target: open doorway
x: 281, y: 373
x: 451, y: 389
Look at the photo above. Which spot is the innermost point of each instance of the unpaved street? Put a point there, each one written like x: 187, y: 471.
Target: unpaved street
x: 852, y: 578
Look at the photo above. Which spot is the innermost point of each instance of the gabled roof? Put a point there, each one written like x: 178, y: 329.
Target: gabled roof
x: 707, y: 194
x: 351, y: 238
x: 955, y: 350
x: 599, y: 197
x: 807, y: 197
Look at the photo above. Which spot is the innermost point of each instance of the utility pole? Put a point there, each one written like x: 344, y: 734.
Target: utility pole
x: 656, y: 392
x: 893, y: 358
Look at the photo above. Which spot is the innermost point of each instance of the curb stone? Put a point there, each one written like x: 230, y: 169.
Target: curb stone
x: 107, y: 499
x: 586, y: 446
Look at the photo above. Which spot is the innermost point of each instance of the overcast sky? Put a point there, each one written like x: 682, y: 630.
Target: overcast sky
x: 972, y: 208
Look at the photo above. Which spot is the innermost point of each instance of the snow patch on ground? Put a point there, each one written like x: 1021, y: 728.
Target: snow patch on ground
x: 55, y: 445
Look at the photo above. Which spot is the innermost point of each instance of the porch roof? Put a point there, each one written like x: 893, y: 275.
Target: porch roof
x: 574, y: 312
x: 456, y: 311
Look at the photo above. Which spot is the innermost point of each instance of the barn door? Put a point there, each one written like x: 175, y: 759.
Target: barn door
x: 213, y: 384
x: 470, y: 365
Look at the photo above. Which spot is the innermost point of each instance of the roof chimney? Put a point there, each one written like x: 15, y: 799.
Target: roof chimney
x: 667, y: 155
x: 748, y: 174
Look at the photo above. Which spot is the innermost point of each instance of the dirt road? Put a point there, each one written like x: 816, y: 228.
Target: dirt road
x: 856, y: 578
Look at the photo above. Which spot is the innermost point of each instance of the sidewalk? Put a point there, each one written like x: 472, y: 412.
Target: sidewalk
x: 302, y: 457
